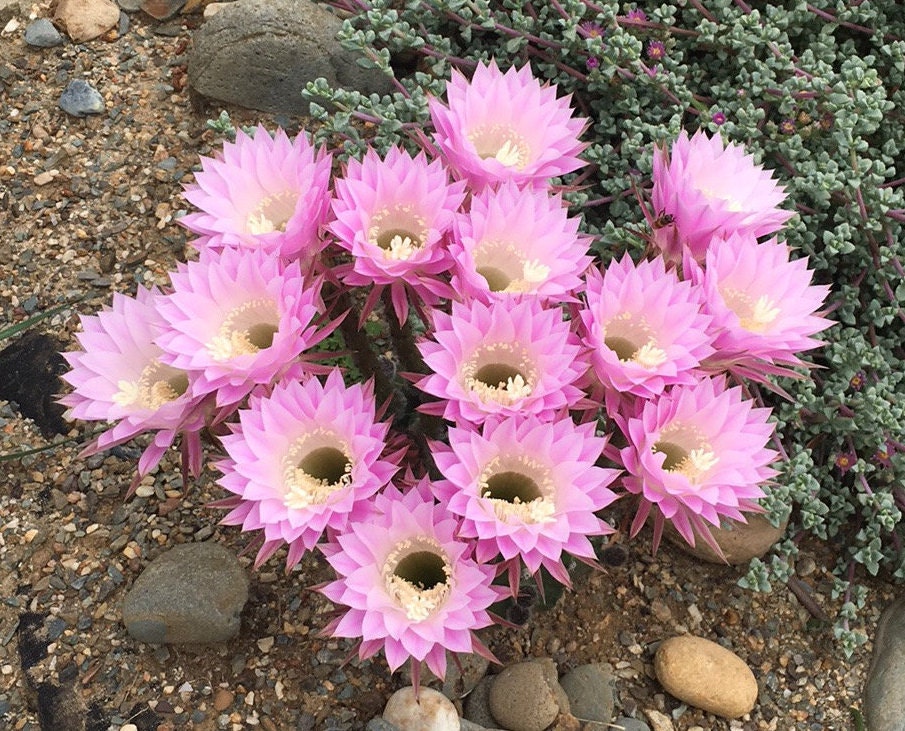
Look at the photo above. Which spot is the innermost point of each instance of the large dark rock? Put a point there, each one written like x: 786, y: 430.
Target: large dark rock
x: 260, y: 54
x: 193, y: 593
x: 884, y: 694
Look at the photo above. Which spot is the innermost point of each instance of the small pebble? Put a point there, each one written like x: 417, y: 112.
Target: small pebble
x: 80, y: 98
x: 41, y: 33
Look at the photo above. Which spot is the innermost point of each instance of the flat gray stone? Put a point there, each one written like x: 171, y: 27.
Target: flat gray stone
x: 260, y: 54
x: 41, y: 33
x: 631, y: 724
x: 80, y: 98
x: 884, y: 692
x: 590, y: 691
x: 477, y: 705
x: 193, y: 593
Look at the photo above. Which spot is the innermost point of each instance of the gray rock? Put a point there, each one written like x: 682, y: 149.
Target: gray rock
x: 466, y: 725
x: 884, y: 692
x: 130, y: 6
x: 527, y: 696
x: 42, y: 34
x: 631, y: 724
x: 80, y: 98
x: 381, y: 724
x: 260, y: 54
x: 477, y: 705
x: 193, y: 593
x: 463, y: 673
x: 590, y: 691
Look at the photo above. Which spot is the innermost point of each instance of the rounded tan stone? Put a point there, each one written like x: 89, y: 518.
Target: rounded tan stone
x: 706, y: 675
x: 740, y: 542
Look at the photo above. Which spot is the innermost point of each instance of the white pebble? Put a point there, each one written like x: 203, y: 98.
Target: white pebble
x: 432, y: 711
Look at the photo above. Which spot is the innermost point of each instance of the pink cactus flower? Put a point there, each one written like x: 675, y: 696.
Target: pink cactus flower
x: 506, y: 126
x: 411, y: 588
x: 697, y: 454
x: 263, y: 192
x: 505, y: 358
x: 645, y: 328
x: 526, y: 490
x: 514, y: 241
x: 710, y: 189
x: 303, y: 460
x: 393, y: 215
x: 237, y: 319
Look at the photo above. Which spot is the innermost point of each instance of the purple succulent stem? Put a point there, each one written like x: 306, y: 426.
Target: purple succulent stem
x: 746, y: 9
x: 833, y: 19
x: 897, y: 214
x: 500, y: 28
x: 698, y: 5
x: 893, y: 183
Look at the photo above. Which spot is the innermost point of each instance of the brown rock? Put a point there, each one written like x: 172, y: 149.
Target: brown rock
x: 84, y: 20
x: 740, y: 542
x: 162, y: 9
x: 706, y: 675
x: 527, y: 696
x: 223, y: 699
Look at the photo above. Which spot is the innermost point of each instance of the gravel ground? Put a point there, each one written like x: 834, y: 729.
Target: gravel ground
x: 88, y: 207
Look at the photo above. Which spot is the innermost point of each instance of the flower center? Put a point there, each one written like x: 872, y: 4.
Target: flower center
x: 502, y: 380
x: 272, y: 213
x: 693, y: 462
x: 501, y: 143
x: 753, y: 315
x: 314, y: 469
x: 400, y: 231
x: 505, y: 271
x: 158, y: 384
x: 246, y: 330
x: 516, y: 496
x: 632, y: 339
x: 417, y: 575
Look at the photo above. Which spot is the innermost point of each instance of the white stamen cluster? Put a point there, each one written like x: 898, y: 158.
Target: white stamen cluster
x: 502, y: 144
x: 401, y: 248
x: 418, y: 602
x: 157, y: 385
x: 624, y: 331
x: 541, y: 509
x: 272, y: 213
x: 694, y: 462
x: 302, y: 490
x: 236, y: 335
x: 508, y: 391
x: 754, y: 316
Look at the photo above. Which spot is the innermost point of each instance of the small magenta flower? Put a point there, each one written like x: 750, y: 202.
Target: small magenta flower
x: 692, y: 185
x: 393, y: 214
x: 787, y: 126
x: 762, y: 302
x: 263, y: 192
x: 526, y: 490
x: 856, y: 382
x: 236, y: 319
x: 119, y: 376
x: 592, y: 63
x: 506, y: 126
x: 409, y: 586
x: 697, y: 454
x: 656, y: 50
x: 646, y: 329
x: 636, y: 15
x: 303, y: 460
x: 506, y: 357
x: 514, y: 241
x: 718, y: 118
x: 845, y: 461
x: 590, y: 29
x: 883, y: 455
